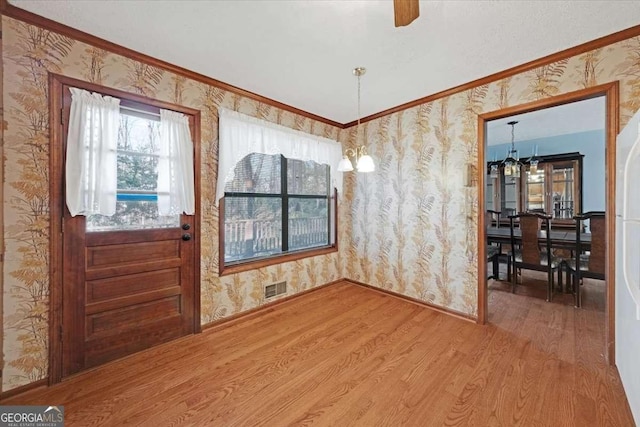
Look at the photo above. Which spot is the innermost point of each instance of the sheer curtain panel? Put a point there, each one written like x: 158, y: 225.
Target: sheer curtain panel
x: 92, y: 142
x: 241, y: 135
x: 175, y: 167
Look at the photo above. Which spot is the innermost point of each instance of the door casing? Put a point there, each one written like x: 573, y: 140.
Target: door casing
x: 611, y: 93
x: 56, y: 205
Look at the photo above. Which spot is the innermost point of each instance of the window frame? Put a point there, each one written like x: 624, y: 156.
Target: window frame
x: 288, y: 255
x: 146, y: 111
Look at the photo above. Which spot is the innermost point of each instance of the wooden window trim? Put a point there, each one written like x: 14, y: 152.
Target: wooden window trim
x: 275, y: 259
x: 226, y: 270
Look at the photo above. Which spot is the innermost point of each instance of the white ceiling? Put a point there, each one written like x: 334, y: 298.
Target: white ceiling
x: 563, y: 119
x: 302, y: 53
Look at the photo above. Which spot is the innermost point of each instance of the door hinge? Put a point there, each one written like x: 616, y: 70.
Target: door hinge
x: 62, y: 225
x: 62, y: 116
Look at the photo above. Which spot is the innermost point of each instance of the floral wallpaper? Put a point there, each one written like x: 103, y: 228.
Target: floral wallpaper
x: 420, y: 243
x: 2, y: 128
x: 29, y: 53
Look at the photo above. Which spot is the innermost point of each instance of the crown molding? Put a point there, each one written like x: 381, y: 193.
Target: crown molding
x: 49, y: 24
x: 563, y: 54
x: 40, y: 21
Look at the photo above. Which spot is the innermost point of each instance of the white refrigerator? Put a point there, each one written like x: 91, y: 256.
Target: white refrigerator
x: 628, y: 261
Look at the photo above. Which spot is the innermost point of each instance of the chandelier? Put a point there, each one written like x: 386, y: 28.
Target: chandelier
x: 512, y: 162
x: 364, y: 162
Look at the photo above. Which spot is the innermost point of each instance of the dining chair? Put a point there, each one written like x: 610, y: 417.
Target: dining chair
x: 494, y: 251
x: 526, y: 252
x: 590, y: 263
x: 538, y: 210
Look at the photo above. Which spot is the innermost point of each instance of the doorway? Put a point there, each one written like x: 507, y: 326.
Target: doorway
x: 610, y: 94
x: 130, y: 281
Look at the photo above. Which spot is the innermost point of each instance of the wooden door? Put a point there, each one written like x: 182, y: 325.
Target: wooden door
x: 123, y: 291
x: 128, y: 282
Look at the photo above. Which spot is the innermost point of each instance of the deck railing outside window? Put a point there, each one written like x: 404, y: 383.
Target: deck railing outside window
x: 245, y: 239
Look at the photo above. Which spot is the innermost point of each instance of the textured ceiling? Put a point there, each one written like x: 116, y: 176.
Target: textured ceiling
x: 302, y: 53
x: 563, y: 119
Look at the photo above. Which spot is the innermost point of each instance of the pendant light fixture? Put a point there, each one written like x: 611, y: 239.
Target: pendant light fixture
x: 493, y: 168
x: 364, y: 162
x: 533, y: 161
x: 512, y: 162
x: 493, y: 171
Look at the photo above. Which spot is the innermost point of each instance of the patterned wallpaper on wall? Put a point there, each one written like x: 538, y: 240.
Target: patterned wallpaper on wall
x: 2, y: 129
x: 29, y: 53
x: 409, y: 227
x: 413, y: 221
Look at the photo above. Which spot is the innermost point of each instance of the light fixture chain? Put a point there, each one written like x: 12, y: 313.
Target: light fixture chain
x: 359, y: 99
x: 364, y: 162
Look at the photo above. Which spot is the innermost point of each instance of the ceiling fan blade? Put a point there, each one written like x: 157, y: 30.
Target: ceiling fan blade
x: 405, y: 11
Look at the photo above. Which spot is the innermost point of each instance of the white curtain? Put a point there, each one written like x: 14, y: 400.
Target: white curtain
x: 241, y: 135
x: 92, y: 144
x: 175, y: 166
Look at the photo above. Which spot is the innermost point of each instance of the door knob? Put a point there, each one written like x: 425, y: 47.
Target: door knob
x: 186, y: 236
x: 186, y: 226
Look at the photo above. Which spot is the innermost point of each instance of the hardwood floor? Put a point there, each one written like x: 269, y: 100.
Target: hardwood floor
x: 347, y: 355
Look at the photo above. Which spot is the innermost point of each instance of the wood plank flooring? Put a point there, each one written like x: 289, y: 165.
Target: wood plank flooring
x: 346, y: 355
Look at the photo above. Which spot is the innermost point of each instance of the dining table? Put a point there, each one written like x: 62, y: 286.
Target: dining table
x: 559, y: 238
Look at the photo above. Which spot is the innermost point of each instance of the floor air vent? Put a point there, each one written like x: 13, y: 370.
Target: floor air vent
x: 275, y: 289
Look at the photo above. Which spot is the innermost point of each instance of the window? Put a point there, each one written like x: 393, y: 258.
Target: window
x: 137, y: 174
x: 275, y: 206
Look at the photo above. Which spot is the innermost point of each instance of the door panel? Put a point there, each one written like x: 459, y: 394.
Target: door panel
x: 102, y: 349
x: 101, y: 290
x: 104, y: 322
x: 100, y: 257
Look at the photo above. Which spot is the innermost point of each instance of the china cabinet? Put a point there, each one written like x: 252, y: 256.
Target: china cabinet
x: 553, y: 186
